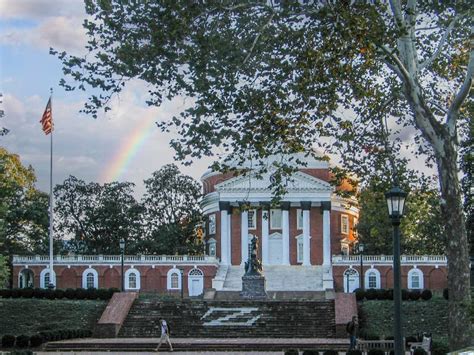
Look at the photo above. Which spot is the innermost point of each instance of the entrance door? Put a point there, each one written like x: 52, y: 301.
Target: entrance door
x: 351, y: 280
x: 195, y: 282
x: 275, y: 249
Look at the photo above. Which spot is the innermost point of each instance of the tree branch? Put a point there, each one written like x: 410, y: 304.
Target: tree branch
x: 435, y: 55
x: 257, y: 38
x: 463, y: 91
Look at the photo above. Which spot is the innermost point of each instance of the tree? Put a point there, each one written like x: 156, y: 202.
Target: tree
x: 172, y: 212
x: 4, y: 271
x: 95, y: 217
x: 279, y: 76
x: 23, y: 209
x: 422, y: 227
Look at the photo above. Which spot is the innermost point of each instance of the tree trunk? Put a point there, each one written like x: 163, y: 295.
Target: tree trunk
x: 457, y: 248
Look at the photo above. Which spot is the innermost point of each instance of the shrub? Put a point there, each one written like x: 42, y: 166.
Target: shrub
x: 426, y: 295
x: 331, y: 352
x: 16, y: 293
x: 8, y: 341
x: 49, y: 294
x: 38, y: 293
x: 389, y: 294
x: 103, y: 294
x: 360, y: 294
x: 5, y: 293
x: 446, y: 294
x: 371, y: 294
x: 376, y: 352
x: 354, y: 352
x: 405, y: 295
x: 414, y: 295
x: 439, y: 348
x: 27, y: 292
x: 381, y: 294
x: 91, y: 294
x: 419, y: 351
x: 70, y: 293
x: 21, y: 352
x: 291, y: 352
x: 36, y: 340
x: 58, y: 293
x: 81, y: 294
x: 389, y: 337
x: 311, y: 352
x: 22, y: 341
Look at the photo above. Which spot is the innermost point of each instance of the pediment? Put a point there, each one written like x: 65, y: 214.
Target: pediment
x: 300, y: 182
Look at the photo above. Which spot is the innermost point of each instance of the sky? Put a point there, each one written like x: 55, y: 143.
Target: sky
x: 123, y: 145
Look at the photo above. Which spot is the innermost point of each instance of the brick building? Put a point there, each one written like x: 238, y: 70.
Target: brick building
x: 305, y: 244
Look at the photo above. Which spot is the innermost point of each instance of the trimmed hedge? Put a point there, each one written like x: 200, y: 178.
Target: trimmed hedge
x: 311, y: 352
x: 291, y: 352
x: 354, y: 352
x: 78, y: 293
x: 376, y: 352
x: 387, y: 294
x: 22, y: 341
x: 8, y: 341
x: 330, y: 352
x: 36, y: 340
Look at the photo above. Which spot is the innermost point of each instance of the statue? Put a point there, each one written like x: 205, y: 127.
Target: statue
x: 253, y: 266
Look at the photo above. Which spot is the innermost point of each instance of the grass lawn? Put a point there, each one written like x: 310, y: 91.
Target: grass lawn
x: 417, y: 316
x: 30, y: 316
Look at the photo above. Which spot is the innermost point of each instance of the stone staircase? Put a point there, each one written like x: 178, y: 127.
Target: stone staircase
x: 278, y: 278
x: 232, y: 319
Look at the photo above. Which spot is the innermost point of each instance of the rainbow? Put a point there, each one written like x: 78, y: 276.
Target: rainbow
x: 128, y: 148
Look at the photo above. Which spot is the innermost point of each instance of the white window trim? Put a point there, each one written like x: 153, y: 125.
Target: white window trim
x: 299, y: 212
x: 271, y: 220
x: 377, y: 275
x: 299, y: 241
x: 51, y: 280
x: 254, y: 219
x: 212, y: 221
x: 344, y: 217
x: 168, y: 279
x: 137, y: 274
x: 420, y: 277
x: 210, y: 242
x: 84, y: 277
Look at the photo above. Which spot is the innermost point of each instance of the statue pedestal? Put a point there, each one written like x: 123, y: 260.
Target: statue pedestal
x: 253, y: 287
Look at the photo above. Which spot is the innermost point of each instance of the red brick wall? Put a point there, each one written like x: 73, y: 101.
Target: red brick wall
x: 433, y: 278
x: 235, y: 238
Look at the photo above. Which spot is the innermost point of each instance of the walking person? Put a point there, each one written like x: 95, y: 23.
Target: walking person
x: 352, y: 327
x: 165, y: 334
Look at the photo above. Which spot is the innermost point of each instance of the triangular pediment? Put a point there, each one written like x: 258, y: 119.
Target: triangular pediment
x: 299, y: 182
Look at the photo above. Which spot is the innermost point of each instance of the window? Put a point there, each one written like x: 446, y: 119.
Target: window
x: 252, y: 216
x: 90, y: 280
x: 174, y: 280
x: 372, y: 278
x: 275, y: 219
x: 299, y: 249
x: 132, y: 279
x: 299, y: 219
x: 345, y: 224
x: 345, y: 249
x: 212, y: 224
x: 212, y: 247
x: 415, y: 279
x: 354, y: 225
x: 46, y: 280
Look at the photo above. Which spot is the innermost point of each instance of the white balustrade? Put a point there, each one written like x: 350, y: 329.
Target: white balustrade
x: 388, y: 259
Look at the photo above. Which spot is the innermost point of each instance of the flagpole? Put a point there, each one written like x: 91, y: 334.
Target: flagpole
x: 51, y: 219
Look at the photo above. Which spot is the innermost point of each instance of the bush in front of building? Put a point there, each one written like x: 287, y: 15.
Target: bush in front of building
x: 311, y: 352
x: 360, y: 294
x: 8, y: 341
x: 414, y: 295
x: 70, y: 293
x: 376, y: 352
x: 419, y: 351
x: 354, y: 352
x: 446, y: 294
x: 426, y: 295
x: 331, y: 352
x: 22, y: 341
x: 36, y: 340
x: 371, y: 294
x: 291, y: 352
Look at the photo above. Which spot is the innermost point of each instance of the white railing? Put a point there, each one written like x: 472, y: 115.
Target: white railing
x: 388, y: 259
x: 115, y: 259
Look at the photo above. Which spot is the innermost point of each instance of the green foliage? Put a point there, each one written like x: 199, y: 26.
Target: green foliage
x: 22, y: 341
x: 376, y: 352
x: 4, y: 271
x: 36, y: 340
x: 8, y: 340
x: 172, y: 213
x: 23, y: 211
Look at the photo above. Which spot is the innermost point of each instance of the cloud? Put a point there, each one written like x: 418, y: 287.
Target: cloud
x: 40, y: 9
x: 61, y: 33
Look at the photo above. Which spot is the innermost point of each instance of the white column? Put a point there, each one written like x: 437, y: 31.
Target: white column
x: 244, y: 236
x: 306, y: 243
x: 224, y: 237
x: 285, y: 226
x: 326, y: 206
x: 229, y: 237
x: 265, y: 232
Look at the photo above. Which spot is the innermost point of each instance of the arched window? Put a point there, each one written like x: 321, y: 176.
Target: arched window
x: 132, y: 279
x: 351, y: 280
x: 212, y: 247
x: 372, y: 278
x: 90, y: 278
x: 26, y: 279
x: 174, y: 279
x: 415, y: 279
x: 46, y: 279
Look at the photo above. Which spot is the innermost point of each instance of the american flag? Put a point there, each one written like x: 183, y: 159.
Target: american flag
x: 47, y: 119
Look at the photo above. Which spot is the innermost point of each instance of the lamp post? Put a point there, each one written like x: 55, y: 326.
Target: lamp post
x: 396, y: 203
x: 122, y: 250
x: 182, y: 283
x: 361, y: 253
